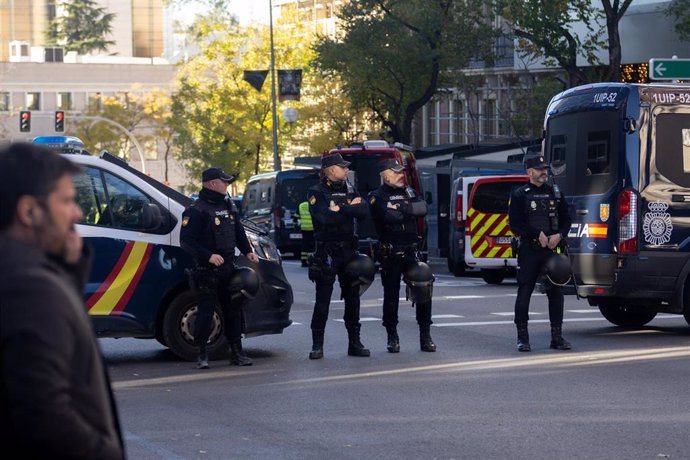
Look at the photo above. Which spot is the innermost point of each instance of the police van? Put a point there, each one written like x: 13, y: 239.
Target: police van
x: 138, y: 286
x: 621, y: 155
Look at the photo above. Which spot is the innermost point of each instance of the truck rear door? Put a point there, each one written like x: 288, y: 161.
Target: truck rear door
x: 584, y: 149
x: 488, y: 234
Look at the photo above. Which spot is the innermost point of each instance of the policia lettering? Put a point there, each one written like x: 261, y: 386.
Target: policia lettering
x: 395, y: 210
x: 334, y: 205
x: 210, y: 232
x: 538, y: 215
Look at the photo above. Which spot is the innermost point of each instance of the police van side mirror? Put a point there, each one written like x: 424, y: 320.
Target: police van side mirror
x: 151, y: 217
x: 630, y: 125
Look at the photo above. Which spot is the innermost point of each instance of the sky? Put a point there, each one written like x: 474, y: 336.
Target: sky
x: 246, y: 11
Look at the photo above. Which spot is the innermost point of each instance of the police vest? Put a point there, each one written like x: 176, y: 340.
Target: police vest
x: 542, y: 209
x: 305, y: 217
x: 343, y: 228
x: 404, y: 232
x: 222, y: 220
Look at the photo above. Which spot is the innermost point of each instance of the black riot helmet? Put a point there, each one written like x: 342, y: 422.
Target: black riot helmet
x: 557, y: 269
x: 244, y: 282
x: 418, y: 272
x: 361, y: 270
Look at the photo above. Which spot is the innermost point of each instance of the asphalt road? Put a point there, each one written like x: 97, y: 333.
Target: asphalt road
x: 619, y: 394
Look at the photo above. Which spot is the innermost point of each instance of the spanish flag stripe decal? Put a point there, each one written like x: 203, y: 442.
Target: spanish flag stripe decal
x: 103, y: 288
x: 122, y: 303
x: 122, y: 280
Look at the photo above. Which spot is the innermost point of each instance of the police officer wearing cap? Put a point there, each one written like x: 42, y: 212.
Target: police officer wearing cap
x: 334, y: 205
x: 395, y: 209
x: 538, y: 215
x: 210, y: 232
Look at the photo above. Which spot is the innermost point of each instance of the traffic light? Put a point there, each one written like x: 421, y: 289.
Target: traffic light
x: 25, y: 121
x: 59, y: 121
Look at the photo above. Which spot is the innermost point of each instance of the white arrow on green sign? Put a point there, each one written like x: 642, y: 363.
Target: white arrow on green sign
x: 669, y: 69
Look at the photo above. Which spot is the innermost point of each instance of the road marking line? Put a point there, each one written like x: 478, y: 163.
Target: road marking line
x: 365, y: 319
x: 510, y: 313
x: 446, y: 316
x: 454, y: 297
x: 567, y: 320
x: 591, y: 310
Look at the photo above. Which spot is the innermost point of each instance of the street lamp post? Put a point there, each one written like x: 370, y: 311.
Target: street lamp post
x: 276, y: 157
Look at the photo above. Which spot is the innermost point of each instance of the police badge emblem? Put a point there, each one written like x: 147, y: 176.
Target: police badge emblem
x: 533, y: 205
x: 372, y: 199
x: 604, y: 211
x: 185, y: 221
x: 312, y: 200
x: 217, y: 221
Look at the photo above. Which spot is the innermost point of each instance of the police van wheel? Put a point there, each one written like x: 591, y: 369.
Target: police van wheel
x: 456, y: 268
x: 178, y: 329
x: 626, y: 316
x: 493, y: 276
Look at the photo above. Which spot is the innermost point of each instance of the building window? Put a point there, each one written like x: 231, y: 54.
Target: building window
x: 489, y: 119
x: 4, y: 102
x: 460, y: 119
x: 64, y: 101
x: 33, y: 101
x: 445, y: 118
x: 432, y: 122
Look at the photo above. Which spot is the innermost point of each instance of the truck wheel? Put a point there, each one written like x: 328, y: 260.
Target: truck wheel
x: 624, y: 316
x: 178, y: 329
x: 493, y: 276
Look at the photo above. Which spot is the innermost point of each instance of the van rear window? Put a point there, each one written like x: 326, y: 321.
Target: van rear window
x: 492, y: 197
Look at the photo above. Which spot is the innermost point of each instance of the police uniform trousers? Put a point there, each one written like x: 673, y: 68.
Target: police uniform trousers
x: 208, y: 299
x: 531, y: 262
x: 332, y: 258
x: 392, y: 268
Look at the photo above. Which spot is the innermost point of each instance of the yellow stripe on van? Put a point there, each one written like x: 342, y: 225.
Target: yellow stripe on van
x: 124, y: 278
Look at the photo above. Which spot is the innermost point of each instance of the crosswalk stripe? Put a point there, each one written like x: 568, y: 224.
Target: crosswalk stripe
x: 446, y: 316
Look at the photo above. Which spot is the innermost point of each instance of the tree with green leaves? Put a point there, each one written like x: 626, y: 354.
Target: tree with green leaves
x: 679, y: 10
x: 391, y: 56
x: 614, y: 12
x: 81, y: 26
x: 547, y: 30
x: 219, y: 118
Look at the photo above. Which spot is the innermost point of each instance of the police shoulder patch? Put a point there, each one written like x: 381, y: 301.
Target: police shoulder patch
x: 312, y: 200
x: 185, y: 221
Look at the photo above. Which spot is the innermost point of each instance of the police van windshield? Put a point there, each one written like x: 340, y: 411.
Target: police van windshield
x: 582, y: 148
x: 294, y: 191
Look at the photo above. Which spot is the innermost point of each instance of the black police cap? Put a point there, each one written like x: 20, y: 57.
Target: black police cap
x: 391, y: 164
x: 216, y: 173
x: 536, y: 162
x: 335, y: 159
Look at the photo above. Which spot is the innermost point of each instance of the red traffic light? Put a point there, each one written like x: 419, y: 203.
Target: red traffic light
x: 60, y: 121
x: 24, y: 121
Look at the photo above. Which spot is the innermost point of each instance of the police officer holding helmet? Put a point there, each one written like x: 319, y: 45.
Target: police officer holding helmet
x: 395, y: 209
x: 538, y: 215
x: 210, y: 231
x: 334, y: 204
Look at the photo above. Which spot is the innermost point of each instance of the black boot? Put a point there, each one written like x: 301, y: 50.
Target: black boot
x: 237, y: 356
x: 202, y: 360
x: 425, y: 341
x: 557, y: 340
x: 317, y: 346
x: 523, y: 338
x: 355, y: 347
x: 393, y: 340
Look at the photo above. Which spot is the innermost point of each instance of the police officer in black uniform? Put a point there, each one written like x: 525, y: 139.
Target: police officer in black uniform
x: 395, y: 209
x: 210, y: 231
x: 538, y: 215
x: 334, y: 205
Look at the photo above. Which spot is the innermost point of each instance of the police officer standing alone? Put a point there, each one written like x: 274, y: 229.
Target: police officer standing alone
x: 538, y: 215
x: 334, y: 205
x: 395, y: 209
x: 210, y: 232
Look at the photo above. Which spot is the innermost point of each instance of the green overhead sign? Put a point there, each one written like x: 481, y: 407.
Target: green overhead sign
x: 669, y: 69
